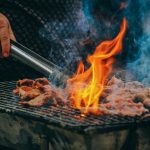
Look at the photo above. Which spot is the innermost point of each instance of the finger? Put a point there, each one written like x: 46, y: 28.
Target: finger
x: 4, y: 38
x: 12, y: 36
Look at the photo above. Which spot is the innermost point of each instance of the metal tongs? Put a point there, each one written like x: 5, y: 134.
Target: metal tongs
x: 37, y: 62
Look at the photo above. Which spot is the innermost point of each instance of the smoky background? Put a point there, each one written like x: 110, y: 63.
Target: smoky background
x: 95, y: 21
x: 65, y: 32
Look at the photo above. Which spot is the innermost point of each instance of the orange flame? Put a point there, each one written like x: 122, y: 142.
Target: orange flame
x: 87, y: 85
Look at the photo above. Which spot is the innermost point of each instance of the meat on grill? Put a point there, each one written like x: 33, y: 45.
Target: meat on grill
x: 118, y: 97
x: 39, y: 82
x: 25, y: 82
x: 37, y: 101
x: 126, y: 99
x: 27, y: 88
x: 26, y: 92
x: 38, y: 92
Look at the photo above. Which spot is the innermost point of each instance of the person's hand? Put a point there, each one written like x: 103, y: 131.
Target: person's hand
x: 6, y: 34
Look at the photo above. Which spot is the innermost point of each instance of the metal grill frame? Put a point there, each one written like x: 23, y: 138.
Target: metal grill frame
x: 67, y: 118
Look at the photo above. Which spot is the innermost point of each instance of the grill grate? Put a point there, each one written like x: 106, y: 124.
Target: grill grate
x: 68, y: 118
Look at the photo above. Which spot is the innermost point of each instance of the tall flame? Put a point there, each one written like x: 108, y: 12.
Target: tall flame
x: 87, y: 85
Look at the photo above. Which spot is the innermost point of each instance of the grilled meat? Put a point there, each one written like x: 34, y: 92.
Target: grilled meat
x: 37, y: 101
x: 28, y: 89
x: 48, y: 93
x: 26, y: 92
x: 127, y: 99
x: 25, y: 82
x: 123, y: 108
x: 40, y: 82
x: 32, y: 83
x: 38, y: 92
x: 118, y: 97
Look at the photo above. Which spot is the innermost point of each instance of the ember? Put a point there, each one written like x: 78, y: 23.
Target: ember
x: 87, y: 85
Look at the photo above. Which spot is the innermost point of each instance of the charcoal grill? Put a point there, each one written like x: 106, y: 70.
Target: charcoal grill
x: 61, y: 128
x: 60, y: 118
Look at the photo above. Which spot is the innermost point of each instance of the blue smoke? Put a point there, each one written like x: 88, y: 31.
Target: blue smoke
x: 140, y: 67
x: 136, y: 52
x: 100, y: 20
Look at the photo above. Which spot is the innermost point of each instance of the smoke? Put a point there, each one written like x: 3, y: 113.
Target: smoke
x: 140, y: 67
x: 65, y: 35
x: 72, y: 24
x: 99, y: 20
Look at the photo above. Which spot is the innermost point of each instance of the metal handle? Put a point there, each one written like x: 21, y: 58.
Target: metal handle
x: 37, y: 62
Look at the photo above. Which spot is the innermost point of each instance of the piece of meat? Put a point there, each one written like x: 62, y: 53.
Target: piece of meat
x: 118, y: 97
x: 37, y: 101
x: 46, y: 88
x: 54, y: 92
x: 40, y: 95
x: 39, y: 82
x: 21, y: 90
x: 116, y: 82
x: 125, y: 99
x: 26, y: 92
x: 146, y: 102
x: 127, y: 108
x: 25, y: 82
x: 28, y: 89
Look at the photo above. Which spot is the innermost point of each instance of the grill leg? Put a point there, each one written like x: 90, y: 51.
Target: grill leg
x: 44, y: 143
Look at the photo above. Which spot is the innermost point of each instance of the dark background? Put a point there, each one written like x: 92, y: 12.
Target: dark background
x: 57, y: 29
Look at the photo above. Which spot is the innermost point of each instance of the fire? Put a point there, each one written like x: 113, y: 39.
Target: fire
x: 88, y: 84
